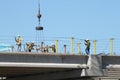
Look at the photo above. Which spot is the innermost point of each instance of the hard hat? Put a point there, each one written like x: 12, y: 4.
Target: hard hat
x: 52, y: 44
x: 87, y: 39
x: 33, y: 41
x: 18, y: 35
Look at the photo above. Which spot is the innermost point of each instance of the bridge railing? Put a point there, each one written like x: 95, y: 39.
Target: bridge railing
x: 69, y: 45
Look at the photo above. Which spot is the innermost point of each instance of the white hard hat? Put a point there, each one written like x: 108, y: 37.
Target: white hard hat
x: 52, y: 44
x: 18, y: 35
x: 87, y: 39
x: 33, y: 41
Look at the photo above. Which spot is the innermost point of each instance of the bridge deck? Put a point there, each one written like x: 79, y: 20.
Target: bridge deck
x: 16, y: 64
x: 56, y: 66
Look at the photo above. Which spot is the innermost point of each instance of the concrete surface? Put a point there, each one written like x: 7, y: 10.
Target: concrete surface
x: 97, y: 66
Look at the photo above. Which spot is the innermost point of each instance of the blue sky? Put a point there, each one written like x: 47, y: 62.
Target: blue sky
x: 94, y: 19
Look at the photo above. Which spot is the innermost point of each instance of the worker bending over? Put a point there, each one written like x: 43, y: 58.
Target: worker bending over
x: 30, y: 46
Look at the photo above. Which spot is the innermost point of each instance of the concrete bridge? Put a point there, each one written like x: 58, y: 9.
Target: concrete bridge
x: 51, y: 66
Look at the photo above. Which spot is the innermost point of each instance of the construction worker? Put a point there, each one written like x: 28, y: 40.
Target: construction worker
x: 30, y: 46
x: 46, y: 49
x: 87, y: 43
x: 53, y: 48
x: 18, y: 40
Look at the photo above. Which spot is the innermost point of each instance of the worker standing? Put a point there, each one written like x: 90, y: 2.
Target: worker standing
x: 18, y: 40
x: 87, y: 43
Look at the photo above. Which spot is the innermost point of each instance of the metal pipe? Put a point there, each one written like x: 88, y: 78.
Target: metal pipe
x: 94, y: 47
x: 65, y: 48
x: 12, y: 47
x: 111, y: 46
x: 79, y: 48
x: 56, y: 45
x: 72, y: 45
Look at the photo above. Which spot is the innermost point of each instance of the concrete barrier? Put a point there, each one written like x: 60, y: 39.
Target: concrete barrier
x: 43, y: 58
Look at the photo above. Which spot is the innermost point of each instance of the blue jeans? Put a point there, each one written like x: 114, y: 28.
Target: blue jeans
x: 87, y: 50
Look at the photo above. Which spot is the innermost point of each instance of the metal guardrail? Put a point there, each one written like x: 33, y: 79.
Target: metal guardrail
x: 71, y: 45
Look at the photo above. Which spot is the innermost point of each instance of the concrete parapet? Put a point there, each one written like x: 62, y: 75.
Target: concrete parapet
x: 43, y: 58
